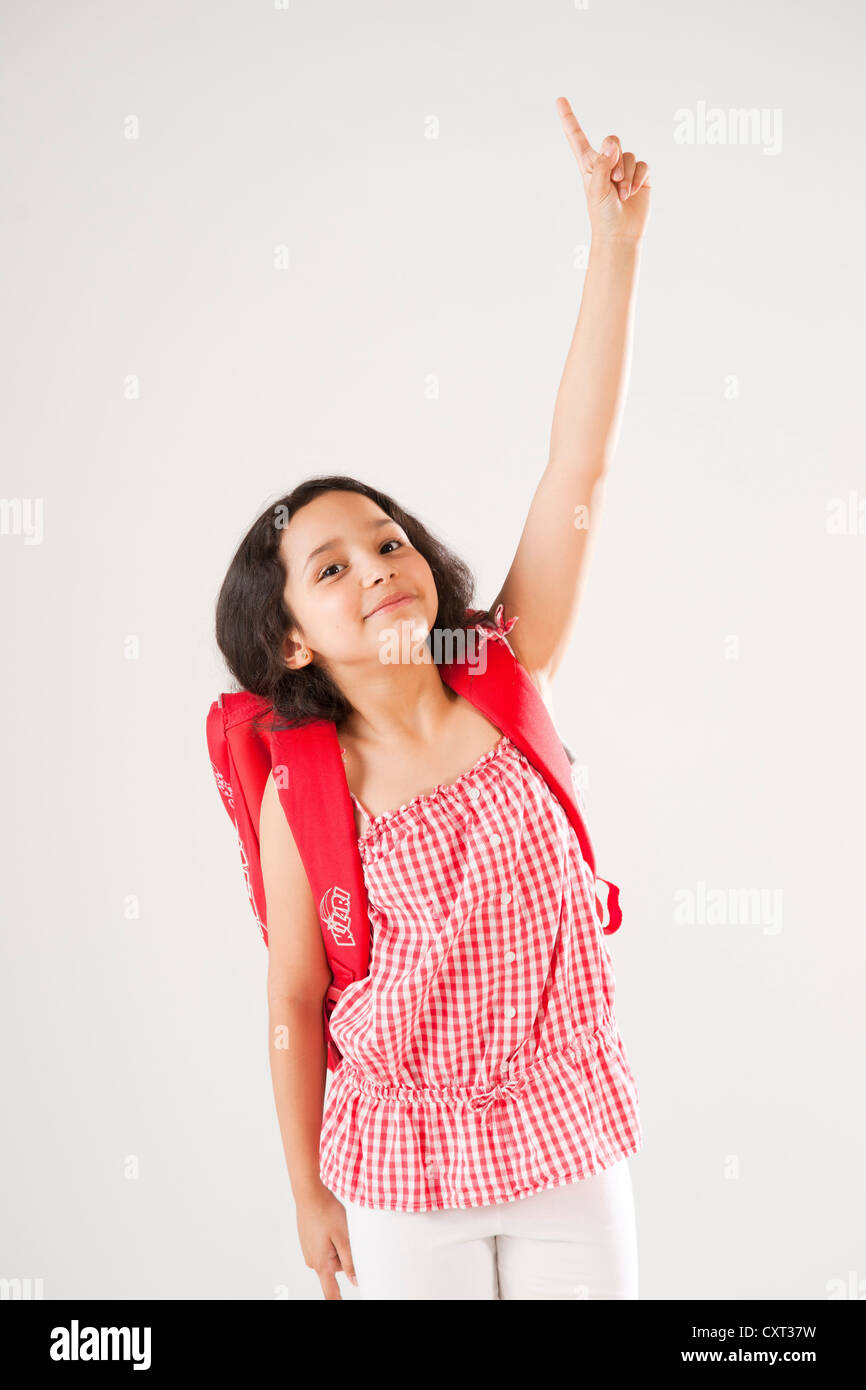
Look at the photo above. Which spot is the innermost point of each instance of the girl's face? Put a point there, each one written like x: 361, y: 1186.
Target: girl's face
x: 343, y: 555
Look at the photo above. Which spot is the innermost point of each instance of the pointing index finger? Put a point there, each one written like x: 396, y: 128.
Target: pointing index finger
x: 584, y: 153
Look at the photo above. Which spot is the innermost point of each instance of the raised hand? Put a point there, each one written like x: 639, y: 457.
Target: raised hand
x: 617, y: 186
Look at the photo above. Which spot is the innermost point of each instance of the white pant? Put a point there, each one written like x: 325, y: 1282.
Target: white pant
x: 574, y: 1241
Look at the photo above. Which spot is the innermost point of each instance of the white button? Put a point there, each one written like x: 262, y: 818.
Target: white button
x: 509, y: 955
x: 511, y: 1012
x: 474, y: 793
x: 505, y: 898
x: 431, y: 1166
x: 495, y: 839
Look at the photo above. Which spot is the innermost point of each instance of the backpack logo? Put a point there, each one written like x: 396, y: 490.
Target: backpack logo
x: 224, y: 786
x: 245, y: 865
x: 335, y: 912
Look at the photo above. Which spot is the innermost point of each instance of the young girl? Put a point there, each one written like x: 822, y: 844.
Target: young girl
x: 475, y: 1138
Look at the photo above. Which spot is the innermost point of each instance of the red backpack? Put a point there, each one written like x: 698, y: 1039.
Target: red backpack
x: 311, y: 780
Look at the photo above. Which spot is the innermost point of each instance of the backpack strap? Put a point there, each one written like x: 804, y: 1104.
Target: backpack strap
x: 511, y: 701
x: 308, y: 770
x: 244, y: 752
x: 240, y: 765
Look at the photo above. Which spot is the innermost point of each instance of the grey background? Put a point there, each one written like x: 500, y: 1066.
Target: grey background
x: 141, y: 1154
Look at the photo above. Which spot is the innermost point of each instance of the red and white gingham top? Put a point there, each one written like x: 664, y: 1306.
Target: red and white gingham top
x: 481, y: 1055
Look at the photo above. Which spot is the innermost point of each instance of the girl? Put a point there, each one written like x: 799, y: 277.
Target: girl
x: 475, y: 1139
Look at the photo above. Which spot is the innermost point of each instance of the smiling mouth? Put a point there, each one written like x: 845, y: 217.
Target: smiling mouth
x: 392, y: 603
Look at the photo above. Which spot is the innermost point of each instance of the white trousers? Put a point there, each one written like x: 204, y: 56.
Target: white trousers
x: 574, y: 1241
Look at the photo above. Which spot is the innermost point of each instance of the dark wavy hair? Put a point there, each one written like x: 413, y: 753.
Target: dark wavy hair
x: 253, y: 618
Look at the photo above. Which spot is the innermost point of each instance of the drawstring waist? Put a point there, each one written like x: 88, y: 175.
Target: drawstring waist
x: 483, y: 1101
x: 585, y: 1046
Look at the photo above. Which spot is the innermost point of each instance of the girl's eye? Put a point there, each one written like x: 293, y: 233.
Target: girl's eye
x: 392, y: 541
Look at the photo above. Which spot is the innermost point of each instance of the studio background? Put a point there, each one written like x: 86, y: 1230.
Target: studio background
x: 246, y: 244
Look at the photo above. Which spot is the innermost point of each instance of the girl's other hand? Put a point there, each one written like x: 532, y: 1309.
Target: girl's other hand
x: 324, y: 1238
x: 617, y: 186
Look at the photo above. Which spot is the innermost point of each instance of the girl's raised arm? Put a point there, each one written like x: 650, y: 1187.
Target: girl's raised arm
x: 545, y: 580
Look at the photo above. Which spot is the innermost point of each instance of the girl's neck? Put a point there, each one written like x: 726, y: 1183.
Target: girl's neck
x: 401, y: 721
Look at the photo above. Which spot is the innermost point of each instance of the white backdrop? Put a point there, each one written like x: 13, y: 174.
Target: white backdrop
x: 245, y: 244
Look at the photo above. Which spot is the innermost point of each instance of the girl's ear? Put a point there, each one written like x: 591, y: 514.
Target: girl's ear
x: 295, y: 654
